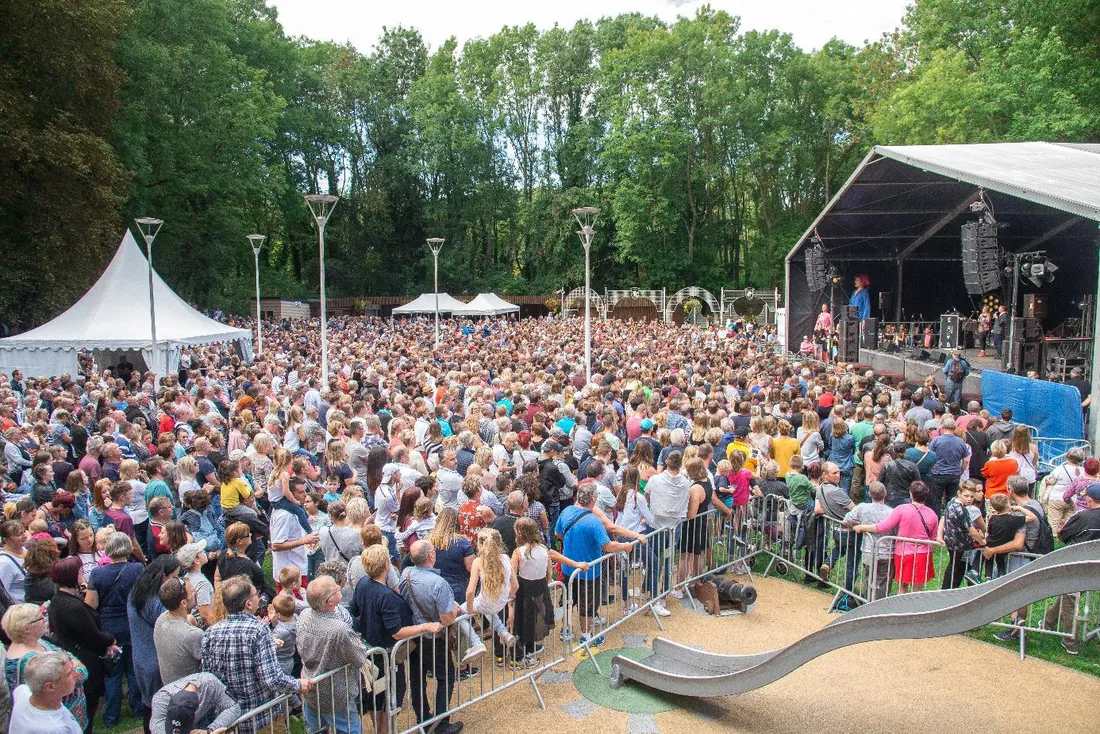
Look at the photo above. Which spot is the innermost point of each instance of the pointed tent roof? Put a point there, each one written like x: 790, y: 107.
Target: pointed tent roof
x: 425, y: 303
x: 114, y: 314
x: 488, y: 304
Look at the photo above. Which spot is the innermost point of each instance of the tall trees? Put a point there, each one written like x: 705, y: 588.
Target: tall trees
x: 61, y: 184
x: 709, y: 148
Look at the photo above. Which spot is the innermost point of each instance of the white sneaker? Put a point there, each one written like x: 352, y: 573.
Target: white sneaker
x: 636, y: 565
x: 661, y: 610
x: 631, y: 608
x: 474, y: 653
x: 676, y: 594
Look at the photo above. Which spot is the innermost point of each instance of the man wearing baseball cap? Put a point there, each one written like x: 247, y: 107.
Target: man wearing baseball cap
x: 1081, y: 527
x: 196, y: 702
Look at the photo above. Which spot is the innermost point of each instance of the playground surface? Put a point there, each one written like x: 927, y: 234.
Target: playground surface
x: 953, y: 684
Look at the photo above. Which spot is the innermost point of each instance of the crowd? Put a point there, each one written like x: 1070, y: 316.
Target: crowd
x: 423, y: 483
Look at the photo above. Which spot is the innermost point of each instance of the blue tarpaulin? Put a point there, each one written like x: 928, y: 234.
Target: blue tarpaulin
x: 1053, y: 408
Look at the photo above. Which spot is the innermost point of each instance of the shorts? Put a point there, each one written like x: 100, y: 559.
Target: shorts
x: 586, y: 596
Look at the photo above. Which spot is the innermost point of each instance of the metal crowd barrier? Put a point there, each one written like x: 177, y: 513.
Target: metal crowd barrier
x: 272, y: 717
x: 1052, y: 451
x: 343, y: 697
x: 621, y: 586
x: 1046, y: 617
x: 903, y: 548
x: 419, y: 666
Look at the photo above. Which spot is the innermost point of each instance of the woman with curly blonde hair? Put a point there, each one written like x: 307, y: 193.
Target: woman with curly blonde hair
x: 493, y: 569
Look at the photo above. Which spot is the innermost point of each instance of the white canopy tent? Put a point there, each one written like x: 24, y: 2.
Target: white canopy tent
x: 487, y: 304
x: 426, y: 304
x: 113, y: 317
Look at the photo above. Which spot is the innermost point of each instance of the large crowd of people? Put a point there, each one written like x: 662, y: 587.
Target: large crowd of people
x: 425, y: 482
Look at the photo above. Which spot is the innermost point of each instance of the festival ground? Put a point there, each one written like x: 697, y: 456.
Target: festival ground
x: 953, y: 684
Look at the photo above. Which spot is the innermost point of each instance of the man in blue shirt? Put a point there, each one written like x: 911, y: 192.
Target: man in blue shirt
x: 431, y: 600
x: 951, y: 452
x: 585, y: 539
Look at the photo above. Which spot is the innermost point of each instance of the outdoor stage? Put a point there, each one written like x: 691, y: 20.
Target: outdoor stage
x: 916, y: 370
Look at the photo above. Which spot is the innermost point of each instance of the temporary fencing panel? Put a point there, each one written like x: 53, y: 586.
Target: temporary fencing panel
x: 432, y: 677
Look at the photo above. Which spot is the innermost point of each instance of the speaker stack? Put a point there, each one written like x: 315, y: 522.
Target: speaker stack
x: 981, y: 257
x: 847, y: 348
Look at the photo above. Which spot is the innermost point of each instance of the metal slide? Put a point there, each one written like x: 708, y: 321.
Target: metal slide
x: 687, y: 671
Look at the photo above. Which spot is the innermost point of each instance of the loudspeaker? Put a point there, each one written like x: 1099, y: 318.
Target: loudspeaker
x: 868, y: 334
x: 1029, y: 357
x: 847, y: 347
x: 1033, y: 329
x: 950, y: 325
x: 849, y: 313
x: 1035, y: 305
x: 981, y: 257
x: 939, y: 357
x: 816, y: 279
x: 891, y: 347
x: 885, y: 302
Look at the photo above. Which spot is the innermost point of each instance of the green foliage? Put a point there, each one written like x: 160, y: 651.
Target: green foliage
x: 709, y: 149
x: 61, y: 184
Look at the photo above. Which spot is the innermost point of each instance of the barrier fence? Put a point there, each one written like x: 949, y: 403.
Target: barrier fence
x: 428, y: 678
x: 433, y: 677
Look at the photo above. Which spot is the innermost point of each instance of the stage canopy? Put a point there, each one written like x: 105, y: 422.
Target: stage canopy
x: 898, y: 219
x: 112, y: 319
x: 487, y: 304
x: 426, y: 304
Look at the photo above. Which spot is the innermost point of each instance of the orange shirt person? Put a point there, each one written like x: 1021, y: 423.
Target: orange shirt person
x: 998, y: 469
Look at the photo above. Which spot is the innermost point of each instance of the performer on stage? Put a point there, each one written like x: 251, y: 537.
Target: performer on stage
x: 861, y: 298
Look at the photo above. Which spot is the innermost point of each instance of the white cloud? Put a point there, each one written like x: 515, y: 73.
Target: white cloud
x: 360, y: 22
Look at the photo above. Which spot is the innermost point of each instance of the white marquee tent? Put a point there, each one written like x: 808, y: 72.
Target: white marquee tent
x: 488, y: 304
x: 112, y: 319
x: 425, y: 303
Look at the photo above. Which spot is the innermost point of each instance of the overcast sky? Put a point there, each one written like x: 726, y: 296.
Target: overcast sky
x: 361, y: 21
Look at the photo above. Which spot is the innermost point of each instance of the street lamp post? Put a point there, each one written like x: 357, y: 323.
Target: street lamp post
x: 436, y: 244
x: 149, y: 227
x: 257, y: 242
x: 586, y: 218
x: 321, y: 206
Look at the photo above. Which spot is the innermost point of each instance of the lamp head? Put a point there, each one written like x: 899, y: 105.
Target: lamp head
x: 435, y: 244
x: 321, y: 205
x: 257, y: 241
x: 148, y: 227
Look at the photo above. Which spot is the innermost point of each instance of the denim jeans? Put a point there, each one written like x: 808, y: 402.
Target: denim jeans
x: 661, y: 546
x: 953, y: 391
x: 339, y: 721
x: 112, y: 697
x: 644, y: 554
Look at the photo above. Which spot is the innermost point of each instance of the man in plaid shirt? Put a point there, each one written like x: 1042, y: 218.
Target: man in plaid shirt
x: 240, y: 651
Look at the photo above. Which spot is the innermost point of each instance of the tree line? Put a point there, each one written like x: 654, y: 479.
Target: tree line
x: 709, y: 148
